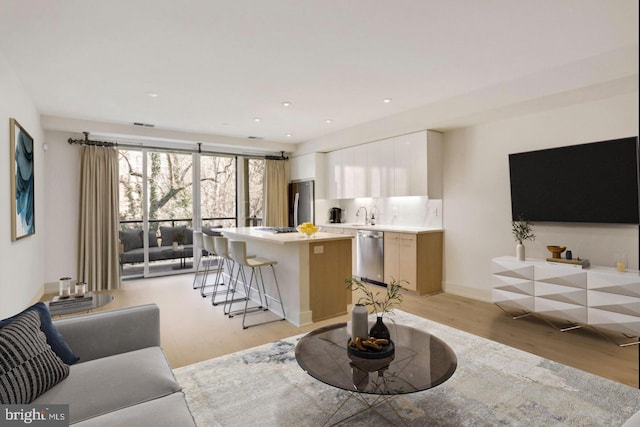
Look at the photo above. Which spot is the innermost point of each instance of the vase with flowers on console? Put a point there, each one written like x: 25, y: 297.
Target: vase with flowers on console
x: 521, y: 229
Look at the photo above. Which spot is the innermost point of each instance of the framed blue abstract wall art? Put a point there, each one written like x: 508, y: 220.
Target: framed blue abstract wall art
x: 22, y: 182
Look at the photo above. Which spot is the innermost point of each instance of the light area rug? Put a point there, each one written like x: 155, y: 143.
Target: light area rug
x: 494, y: 385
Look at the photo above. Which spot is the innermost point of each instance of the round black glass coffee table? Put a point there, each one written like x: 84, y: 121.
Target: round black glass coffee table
x: 421, y: 361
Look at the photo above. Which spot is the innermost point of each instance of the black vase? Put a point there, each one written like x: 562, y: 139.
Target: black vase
x: 380, y: 330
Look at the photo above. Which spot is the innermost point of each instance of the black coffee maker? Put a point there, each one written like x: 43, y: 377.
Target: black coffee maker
x: 335, y: 215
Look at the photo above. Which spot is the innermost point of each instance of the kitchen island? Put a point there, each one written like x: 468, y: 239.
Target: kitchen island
x: 311, y: 271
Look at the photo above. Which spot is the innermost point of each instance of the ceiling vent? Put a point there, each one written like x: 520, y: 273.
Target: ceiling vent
x: 146, y: 125
x: 255, y: 137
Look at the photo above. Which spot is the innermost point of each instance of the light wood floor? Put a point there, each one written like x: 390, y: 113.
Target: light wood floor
x: 193, y: 330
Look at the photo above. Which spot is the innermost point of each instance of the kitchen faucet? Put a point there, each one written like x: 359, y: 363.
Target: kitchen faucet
x: 366, y: 217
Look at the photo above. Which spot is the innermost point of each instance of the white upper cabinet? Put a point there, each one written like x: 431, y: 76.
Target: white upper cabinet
x: 434, y: 165
x: 348, y: 171
x: 380, y: 168
x: 410, y: 161
x: 418, y: 164
x: 407, y: 165
x: 310, y: 166
x: 334, y: 175
x: 354, y: 162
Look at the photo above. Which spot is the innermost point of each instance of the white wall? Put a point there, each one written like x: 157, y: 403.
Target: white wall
x: 63, y: 207
x: 477, y: 207
x: 21, y: 262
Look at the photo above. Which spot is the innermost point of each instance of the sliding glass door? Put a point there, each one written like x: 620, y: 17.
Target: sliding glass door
x: 165, y: 195
x: 156, y: 213
x: 131, y: 240
x: 170, y: 212
x: 218, y: 191
x: 254, y: 200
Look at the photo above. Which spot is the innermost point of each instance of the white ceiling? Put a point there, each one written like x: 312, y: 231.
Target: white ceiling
x: 216, y: 65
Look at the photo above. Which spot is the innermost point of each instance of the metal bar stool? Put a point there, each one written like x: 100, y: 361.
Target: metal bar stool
x: 199, y: 246
x: 210, y: 248
x: 221, y: 247
x: 238, y: 252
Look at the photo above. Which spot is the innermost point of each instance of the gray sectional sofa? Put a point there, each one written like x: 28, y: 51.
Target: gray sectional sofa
x: 122, y: 377
x: 160, y: 247
x: 132, y: 250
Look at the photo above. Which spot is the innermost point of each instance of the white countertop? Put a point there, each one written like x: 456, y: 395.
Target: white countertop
x: 382, y: 227
x: 279, y: 238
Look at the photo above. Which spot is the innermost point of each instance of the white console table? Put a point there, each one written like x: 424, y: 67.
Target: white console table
x: 600, y: 297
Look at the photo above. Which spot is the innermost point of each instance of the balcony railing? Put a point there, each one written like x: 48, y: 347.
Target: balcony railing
x: 154, y: 224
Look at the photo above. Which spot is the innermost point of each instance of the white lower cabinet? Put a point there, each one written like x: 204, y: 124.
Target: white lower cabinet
x: 599, y: 296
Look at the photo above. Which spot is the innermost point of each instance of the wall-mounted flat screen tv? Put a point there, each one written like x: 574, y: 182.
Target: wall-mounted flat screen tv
x: 592, y: 183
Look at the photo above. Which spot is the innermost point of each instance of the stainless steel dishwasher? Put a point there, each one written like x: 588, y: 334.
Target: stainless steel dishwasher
x: 370, y: 256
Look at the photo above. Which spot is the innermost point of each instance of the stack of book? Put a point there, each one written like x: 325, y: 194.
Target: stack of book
x: 575, y: 263
x: 60, y: 303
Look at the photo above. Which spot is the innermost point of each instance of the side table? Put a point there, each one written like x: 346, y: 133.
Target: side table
x: 98, y: 300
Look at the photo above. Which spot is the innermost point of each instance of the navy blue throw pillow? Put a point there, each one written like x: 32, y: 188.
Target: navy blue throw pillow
x: 54, y: 339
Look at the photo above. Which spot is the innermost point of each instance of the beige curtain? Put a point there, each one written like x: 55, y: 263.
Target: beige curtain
x: 99, y: 219
x: 276, y: 177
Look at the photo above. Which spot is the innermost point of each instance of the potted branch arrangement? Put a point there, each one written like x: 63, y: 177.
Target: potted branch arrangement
x: 521, y: 229
x: 378, y: 303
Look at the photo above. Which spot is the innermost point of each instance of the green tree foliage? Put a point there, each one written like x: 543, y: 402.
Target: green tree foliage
x: 170, y: 186
x: 256, y: 186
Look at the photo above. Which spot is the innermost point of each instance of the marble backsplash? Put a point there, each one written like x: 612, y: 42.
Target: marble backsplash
x: 415, y: 211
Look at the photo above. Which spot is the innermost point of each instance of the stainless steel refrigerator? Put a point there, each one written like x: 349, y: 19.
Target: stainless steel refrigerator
x: 301, y: 202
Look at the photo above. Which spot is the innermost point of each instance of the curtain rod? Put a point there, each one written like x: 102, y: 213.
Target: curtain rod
x: 90, y: 142
x: 87, y: 141
x: 280, y: 157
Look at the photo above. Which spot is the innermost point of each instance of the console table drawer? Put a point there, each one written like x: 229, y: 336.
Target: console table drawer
x: 606, y: 319
x: 562, y: 310
x: 560, y: 275
x: 616, y: 303
x: 615, y: 282
x: 513, y: 300
x: 561, y: 293
x: 508, y: 268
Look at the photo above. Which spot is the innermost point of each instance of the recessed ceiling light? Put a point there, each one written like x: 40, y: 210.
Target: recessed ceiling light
x: 152, y: 94
x: 289, y: 135
x: 386, y: 100
x: 257, y: 119
x: 328, y: 121
x: 286, y: 104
